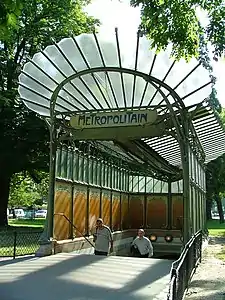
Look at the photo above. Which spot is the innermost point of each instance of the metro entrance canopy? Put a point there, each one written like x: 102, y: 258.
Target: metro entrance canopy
x: 102, y: 88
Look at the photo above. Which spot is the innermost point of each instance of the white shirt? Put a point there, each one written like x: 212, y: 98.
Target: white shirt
x: 103, y: 239
x: 144, y: 245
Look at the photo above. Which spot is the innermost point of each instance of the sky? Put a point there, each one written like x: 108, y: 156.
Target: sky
x: 118, y: 13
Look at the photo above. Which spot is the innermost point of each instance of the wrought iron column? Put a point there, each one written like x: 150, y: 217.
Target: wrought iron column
x: 186, y: 181
x: 170, y: 205
x: 52, y: 168
x: 47, y: 234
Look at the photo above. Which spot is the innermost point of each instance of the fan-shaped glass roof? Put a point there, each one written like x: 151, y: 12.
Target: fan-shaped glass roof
x: 98, y: 72
x: 69, y: 63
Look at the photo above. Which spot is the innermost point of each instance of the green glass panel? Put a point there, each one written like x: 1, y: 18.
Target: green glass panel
x: 149, y: 185
x: 81, y: 168
x: 135, y: 184
x: 75, y: 166
x: 141, y: 184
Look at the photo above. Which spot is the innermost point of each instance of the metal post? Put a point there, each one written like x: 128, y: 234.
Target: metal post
x: 52, y: 167
x: 47, y: 234
x: 169, y: 206
x: 14, y: 244
x: 72, y: 193
x: 186, y: 182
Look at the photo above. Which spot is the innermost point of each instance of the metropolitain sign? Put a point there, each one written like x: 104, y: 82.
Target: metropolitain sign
x: 113, y: 119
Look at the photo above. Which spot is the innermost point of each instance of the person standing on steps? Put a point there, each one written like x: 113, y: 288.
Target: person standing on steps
x: 103, y: 239
x: 142, y: 244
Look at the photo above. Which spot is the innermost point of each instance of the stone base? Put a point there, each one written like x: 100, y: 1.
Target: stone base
x: 45, y: 249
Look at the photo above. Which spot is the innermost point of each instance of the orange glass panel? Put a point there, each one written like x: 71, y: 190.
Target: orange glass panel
x: 116, y: 211
x: 136, y: 211
x: 156, y: 211
x: 124, y: 211
x: 63, y: 196
x: 94, y: 208
x: 80, y: 209
x: 106, y: 207
x: 177, y: 211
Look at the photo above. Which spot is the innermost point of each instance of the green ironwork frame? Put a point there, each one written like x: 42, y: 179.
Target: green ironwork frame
x: 183, y: 127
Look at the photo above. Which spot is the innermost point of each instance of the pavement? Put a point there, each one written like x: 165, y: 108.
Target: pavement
x: 70, y: 276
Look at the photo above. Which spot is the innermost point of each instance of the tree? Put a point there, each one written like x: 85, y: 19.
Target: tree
x: 215, y: 185
x: 215, y: 174
x: 179, y: 22
x: 10, y: 10
x: 23, y: 136
x: 25, y: 192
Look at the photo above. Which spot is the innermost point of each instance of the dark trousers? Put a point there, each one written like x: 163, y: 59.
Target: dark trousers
x: 144, y: 255
x: 100, y: 253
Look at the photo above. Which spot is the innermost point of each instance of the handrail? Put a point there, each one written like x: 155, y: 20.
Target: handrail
x: 183, y: 268
x: 186, y: 247
x: 62, y: 214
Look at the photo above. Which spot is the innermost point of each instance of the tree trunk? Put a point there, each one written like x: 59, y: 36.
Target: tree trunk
x: 220, y: 208
x: 4, y: 197
x: 209, y: 209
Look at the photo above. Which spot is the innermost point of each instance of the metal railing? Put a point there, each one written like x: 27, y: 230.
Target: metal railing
x: 183, y: 269
x: 15, y: 243
x: 75, y: 227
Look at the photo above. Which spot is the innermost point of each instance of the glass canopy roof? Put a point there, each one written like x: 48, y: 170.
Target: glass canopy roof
x: 98, y: 72
x: 102, y: 89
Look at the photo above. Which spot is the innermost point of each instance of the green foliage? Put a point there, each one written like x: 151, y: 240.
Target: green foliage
x: 215, y: 178
x: 214, y: 102
x: 215, y: 173
x: 10, y: 10
x: 24, y: 137
x: 178, y: 22
x: 25, y: 192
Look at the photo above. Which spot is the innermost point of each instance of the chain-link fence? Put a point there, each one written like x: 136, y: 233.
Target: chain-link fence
x: 18, y: 243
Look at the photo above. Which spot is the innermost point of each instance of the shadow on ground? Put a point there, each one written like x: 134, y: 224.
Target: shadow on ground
x: 49, y: 280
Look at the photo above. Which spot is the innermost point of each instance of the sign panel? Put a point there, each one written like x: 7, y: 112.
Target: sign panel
x: 113, y: 119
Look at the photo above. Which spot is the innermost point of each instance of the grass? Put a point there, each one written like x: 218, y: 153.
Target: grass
x: 25, y: 233
x: 35, y: 223
x: 215, y: 228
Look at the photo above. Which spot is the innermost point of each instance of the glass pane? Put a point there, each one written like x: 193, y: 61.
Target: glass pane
x: 164, y: 187
x: 131, y: 183
x: 141, y: 184
x: 81, y: 168
x: 75, y: 166
x: 85, y: 169
x: 58, y: 163
x: 157, y: 186
x: 135, y: 184
x: 117, y: 177
x: 174, y: 187
x: 88, y: 170
x: 149, y: 185
x: 94, y: 171
x: 98, y: 172
x: 69, y: 165
x: 113, y: 177
x: 64, y: 164
x: 103, y: 173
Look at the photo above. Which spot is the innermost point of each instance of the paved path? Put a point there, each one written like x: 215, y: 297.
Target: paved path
x: 84, y: 277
